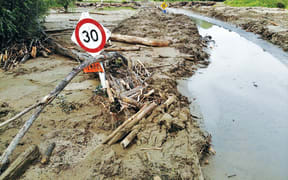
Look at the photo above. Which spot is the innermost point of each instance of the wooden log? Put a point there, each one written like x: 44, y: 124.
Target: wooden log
x: 161, y: 108
x: 48, y: 99
x: 132, y: 101
x: 139, y: 40
x: 78, y: 56
x: 149, y: 93
x: 131, y: 92
x: 110, y: 95
x: 21, y: 163
x: 46, y: 157
x: 123, y: 125
x: 25, y: 58
x: 133, y: 48
x: 127, y: 128
x: 129, y: 138
x: 169, y: 101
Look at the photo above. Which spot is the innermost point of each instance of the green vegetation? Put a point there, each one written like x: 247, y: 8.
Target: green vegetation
x: 65, y: 3
x: 20, y: 20
x: 262, y: 3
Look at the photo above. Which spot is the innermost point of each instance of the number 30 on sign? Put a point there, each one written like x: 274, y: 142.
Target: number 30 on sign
x: 90, y: 35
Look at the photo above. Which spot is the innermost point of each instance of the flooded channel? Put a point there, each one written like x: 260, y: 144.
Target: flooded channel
x: 243, y: 98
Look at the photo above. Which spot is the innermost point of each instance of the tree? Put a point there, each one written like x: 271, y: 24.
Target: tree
x: 65, y: 3
x: 20, y: 20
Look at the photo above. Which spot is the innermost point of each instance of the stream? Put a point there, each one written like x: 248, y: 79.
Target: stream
x: 243, y: 98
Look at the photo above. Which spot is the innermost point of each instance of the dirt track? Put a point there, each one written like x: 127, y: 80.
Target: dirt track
x: 77, y: 121
x: 270, y: 23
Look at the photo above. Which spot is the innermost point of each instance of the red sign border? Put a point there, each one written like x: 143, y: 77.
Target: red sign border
x: 92, y: 21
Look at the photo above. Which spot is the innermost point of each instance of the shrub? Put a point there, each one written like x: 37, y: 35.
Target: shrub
x: 65, y: 3
x: 20, y: 20
x: 280, y: 5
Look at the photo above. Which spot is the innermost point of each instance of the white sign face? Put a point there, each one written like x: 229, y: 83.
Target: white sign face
x: 90, y: 35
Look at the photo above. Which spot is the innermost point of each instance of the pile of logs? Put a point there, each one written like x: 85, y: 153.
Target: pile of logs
x: 20, y: 53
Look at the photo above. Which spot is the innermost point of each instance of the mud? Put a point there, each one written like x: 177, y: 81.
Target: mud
x: 270, y: 23
x: 170, y: 144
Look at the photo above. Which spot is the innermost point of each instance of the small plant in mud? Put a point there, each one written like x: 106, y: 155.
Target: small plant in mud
x: 65, y: 106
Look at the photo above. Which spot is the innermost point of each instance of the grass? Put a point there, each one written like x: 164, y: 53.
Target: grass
x: 257, y: 3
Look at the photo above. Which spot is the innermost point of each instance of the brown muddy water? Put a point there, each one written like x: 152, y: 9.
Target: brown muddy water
x: 243, y: 97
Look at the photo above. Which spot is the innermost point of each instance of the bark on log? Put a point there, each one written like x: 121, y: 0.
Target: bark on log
x: 133, y: 48
x: 139, y: 40
x: 21, y: 163
x: 127, y: 128
x: 48, y: 99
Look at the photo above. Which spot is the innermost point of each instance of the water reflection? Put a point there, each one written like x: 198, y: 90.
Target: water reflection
x: 243, y: 96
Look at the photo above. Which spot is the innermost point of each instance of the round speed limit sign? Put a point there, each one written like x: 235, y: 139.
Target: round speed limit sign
x: 90, y: 35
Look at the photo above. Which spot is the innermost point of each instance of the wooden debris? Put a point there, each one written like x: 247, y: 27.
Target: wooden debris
x: 139, y: 40
x: 21, y: 163
x: 48, y: 99
x: 132, y: 101
x: 123, y: 125
x: 110, y: 95
x: 128, y: 139
x: 47, y: 154
x: 127, y: 128
x: 152, y: 148
x: 133, y: 48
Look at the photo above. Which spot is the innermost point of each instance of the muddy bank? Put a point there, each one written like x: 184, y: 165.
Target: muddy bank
x: 270, y: 23
x: 170, y: 143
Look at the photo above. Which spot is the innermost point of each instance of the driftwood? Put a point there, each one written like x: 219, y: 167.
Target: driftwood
x: 123, y: 125
x: 127, y: 128
x: 48, y: 99
x: 131, y: 92
x: 21, y: 163
x: 129, y: 138
x: 46, y: 157
x: 132, y: 101
x: 162, y: 107
x: 133, y: 48
x: 139, y: 40
x: 110, y: 95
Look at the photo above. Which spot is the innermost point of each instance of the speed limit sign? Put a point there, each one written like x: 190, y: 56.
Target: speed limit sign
x: 90, y: 35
